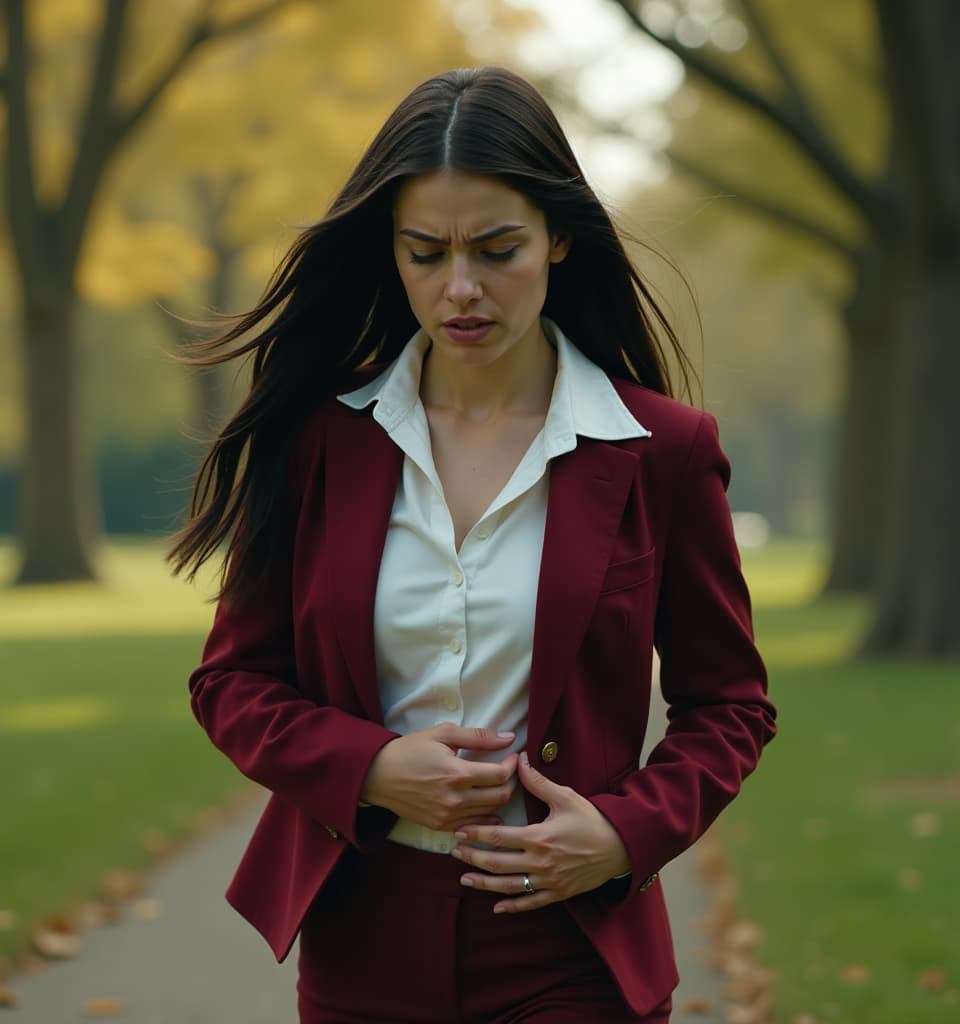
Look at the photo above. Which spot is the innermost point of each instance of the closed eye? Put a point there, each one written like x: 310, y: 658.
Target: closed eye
x: 495, y: 256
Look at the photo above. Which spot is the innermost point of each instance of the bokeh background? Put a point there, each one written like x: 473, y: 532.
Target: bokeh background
x: 790, y: 175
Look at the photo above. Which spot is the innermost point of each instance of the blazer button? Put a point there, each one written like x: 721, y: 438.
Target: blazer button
x: 647, y: 882
x: 334, y: 834
x: 549, y: 752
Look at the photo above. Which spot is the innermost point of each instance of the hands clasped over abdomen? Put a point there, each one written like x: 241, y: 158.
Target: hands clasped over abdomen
x: 574, y: 850
x: 420, y: 777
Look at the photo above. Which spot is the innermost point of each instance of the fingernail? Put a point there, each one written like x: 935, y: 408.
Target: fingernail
x: 499, y: 909
x: 524, y: 758
x: 459, y: 835
x: 506, y: 735
x: 467, y: 881
x: 455, y: 852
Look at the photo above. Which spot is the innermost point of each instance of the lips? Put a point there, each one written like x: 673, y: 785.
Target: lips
x: 466, y: 329
x: 466, y: 322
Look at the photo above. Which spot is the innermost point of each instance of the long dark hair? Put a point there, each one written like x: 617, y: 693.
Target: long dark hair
x: 336, y: 301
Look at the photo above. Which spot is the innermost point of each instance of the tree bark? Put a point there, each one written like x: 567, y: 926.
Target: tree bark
x: 917, y: 610
x: 58, y: 518
x: 860, y: 473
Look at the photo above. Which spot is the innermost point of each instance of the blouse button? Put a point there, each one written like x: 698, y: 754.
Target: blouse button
x: 454, y: 644
x: 482, y: 533
x: 457, y: 578
x: 549, y: 752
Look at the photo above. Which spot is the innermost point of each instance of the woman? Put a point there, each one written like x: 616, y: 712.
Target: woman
x: 461, y: 511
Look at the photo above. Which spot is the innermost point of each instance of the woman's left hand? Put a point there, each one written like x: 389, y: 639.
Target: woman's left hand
x: 573, y: 850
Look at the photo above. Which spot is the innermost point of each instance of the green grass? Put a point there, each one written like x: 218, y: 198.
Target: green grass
x: 97, y: 745
x: 97, y: 742
x: 846, y: 842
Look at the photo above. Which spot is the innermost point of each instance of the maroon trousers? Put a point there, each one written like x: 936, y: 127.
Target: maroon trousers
x: 395, y: 939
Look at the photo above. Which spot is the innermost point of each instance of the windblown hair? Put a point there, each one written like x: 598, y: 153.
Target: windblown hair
x: 336, y: 301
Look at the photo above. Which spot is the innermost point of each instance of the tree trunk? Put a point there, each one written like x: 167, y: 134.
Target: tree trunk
x: 861, y: 470
x: 57, y: 507
x: 917, y: 608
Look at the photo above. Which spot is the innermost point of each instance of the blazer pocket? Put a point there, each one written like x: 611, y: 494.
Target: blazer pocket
x: 628, y: 574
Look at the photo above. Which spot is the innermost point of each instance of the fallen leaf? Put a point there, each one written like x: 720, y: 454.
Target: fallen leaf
x: 746, y: 1014
x: 54, y: 944
x: 925, y: 825
x: 146, y: 909
x: 8, y: 998
x: 855, y: 974
x: 104, y: 1007
x: 121, y: 884
x: 932, y: 980
x: 92, y: 914
x: 743, y: 936
x: 8, y: 920
x: 156, y: 843
x: 696, y: 1005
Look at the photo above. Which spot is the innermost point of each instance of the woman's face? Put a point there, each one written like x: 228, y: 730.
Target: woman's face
x: 473, y: 256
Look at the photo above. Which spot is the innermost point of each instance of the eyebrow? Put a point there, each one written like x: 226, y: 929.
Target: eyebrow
x: 485, y: 236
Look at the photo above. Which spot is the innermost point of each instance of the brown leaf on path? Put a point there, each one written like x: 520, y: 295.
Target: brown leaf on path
x: 743, y: 936
x: 104, y: 1007
x: 55, y: 944
x: 855, y: 974
x: 92, y: 914
x: 746, y: 1014
x: 8, y: 998
x: 122, y: 884
x: 696, y: 1005
x: 932, y: 980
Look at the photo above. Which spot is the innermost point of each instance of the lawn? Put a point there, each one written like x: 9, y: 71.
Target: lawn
x: 100, y: 757
x: 847, y: 840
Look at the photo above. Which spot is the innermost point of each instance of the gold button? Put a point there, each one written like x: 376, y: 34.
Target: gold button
x: 334, y: 834
x: 549, y: 752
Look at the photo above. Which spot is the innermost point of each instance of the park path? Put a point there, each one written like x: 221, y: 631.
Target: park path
x: 199, y: 963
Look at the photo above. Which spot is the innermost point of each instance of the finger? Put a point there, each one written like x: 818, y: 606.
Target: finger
x: 459, y: 738
x: 496, y: 862
x: 489, y: 819
x: 485, y: 773
x: 500, y: 837
x: 508, y: 885
x: 519, y: 904
x: 537, y: 783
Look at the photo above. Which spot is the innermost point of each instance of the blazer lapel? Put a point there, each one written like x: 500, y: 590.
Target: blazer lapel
x: 588, y: 490
x: 362, y: 472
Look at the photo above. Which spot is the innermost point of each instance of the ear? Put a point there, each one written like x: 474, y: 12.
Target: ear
x: 560, y: 242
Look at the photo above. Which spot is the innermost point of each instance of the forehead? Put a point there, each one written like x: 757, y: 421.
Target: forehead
x: 453, y: 202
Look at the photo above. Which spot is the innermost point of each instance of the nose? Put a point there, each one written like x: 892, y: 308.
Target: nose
x: 463, y: 285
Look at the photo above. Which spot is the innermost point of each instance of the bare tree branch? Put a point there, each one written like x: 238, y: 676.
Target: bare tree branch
x: 873, y: 204
x: 204, y: 31
x: 760, y: 30
x: 766, y: 207
x: 21, y: 197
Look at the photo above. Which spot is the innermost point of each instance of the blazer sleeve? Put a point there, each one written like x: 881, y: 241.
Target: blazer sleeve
x: 245, y: 695
x: 711, y: 675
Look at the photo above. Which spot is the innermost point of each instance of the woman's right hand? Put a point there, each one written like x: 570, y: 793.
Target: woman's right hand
x: 420, y: 777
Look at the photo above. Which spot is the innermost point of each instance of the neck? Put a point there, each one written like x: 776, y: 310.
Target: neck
x: 519, y: 381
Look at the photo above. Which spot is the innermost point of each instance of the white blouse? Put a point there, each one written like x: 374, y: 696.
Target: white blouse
x: 454, y: 630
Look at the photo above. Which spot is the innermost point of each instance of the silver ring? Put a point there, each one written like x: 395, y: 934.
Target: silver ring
x: 527, y: 887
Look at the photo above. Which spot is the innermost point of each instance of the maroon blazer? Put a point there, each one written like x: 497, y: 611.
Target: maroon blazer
x: 638, y: 552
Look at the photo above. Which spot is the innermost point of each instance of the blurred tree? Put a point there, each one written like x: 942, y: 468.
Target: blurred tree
x: 49, y: 200
x: 897, y: 501
x: 237, y: 132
